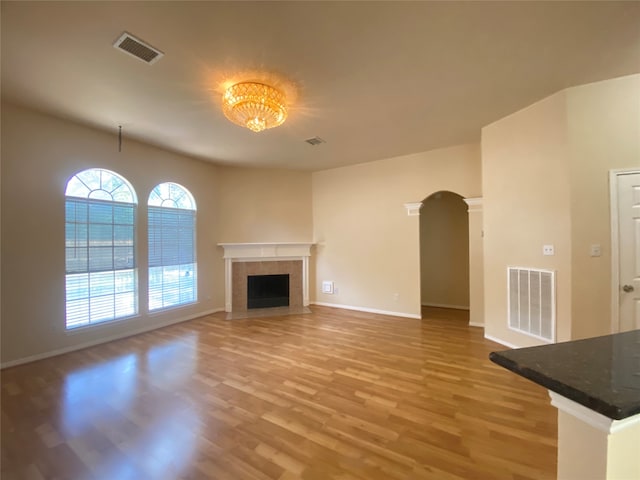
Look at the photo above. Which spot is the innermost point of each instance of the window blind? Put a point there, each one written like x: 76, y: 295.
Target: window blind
x: 100, y: 236
x: 172, y: 260
x: 100, y: 260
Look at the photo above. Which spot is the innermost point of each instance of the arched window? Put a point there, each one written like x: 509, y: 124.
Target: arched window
x: 172, y: 247
x: 100, y: 219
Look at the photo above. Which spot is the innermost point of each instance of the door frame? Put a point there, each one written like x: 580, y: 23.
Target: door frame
x: 615, y: 246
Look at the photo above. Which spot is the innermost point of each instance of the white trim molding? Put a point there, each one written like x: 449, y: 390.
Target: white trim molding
x: 501, y: 342
x: 474, y: 203
x: 413, y: 208
x: 264, y: 252
x: 442, y: 305
x: 591, y: 417
x: 110, y: 338
x: 369, y: 310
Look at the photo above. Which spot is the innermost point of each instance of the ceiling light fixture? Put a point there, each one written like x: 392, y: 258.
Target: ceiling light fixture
x: 254, y: 105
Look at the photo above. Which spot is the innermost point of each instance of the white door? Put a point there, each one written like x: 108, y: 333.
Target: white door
x: 628, y: 186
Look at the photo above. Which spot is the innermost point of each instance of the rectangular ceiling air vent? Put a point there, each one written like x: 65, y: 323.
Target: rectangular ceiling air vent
x: 314, y: 141
x: 135, y: 47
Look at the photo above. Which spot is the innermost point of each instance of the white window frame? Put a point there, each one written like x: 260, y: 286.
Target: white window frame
x: 91, y: 291
x: 171, y: 285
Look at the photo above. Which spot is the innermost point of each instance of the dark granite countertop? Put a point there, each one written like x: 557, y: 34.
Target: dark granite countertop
x: 601, y: 373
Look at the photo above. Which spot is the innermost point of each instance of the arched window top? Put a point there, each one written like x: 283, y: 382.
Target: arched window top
x: 171, y: 195
x: 100, y: 184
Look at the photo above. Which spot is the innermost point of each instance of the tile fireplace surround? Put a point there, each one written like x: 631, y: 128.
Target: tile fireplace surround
x: 243, y: 259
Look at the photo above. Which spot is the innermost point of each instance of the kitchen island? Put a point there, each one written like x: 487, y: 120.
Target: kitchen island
x: 595, y: 384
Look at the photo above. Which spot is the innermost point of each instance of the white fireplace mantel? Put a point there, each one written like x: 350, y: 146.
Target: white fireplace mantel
x: 264, y: 252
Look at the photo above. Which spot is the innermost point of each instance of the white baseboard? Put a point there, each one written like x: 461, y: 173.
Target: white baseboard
x: 501, y: 342
x: 80, y: 346
x: 368, y: 310
x: 442, y: 305
x: 476, y: 324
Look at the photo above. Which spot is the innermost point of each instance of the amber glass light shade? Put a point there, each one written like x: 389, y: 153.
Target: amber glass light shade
x: 254, y: 105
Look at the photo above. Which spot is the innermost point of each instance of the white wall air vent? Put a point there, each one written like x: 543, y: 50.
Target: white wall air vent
x: 532, y: 302
x: 135, y: 47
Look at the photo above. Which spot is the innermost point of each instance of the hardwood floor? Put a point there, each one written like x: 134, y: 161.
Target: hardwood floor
x: 335, y: 394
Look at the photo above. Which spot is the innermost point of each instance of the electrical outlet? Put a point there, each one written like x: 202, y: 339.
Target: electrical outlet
x: 548, y: 250
x: 327, y: 287
x: 596, y: 250
x: 396, y: 296
x: 335, y: 290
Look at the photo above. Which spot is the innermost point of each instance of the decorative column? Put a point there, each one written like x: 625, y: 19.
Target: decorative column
x: 476, y: 262
x: 413, y: 208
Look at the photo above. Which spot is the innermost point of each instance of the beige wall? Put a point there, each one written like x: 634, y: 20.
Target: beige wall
x: 545, y: 174
x: 604, y: 134
x: 40, y: 153
x: 587, y: 452
x: 622, y: 453
x: 444, y: 251
x: 545, y: 180
x: 261, y: 205
x: 582, y: 449
x: 526, y: 200
x: 366, y: 243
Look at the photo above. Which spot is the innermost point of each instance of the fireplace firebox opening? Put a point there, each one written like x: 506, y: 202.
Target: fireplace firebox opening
x: 264, y: 291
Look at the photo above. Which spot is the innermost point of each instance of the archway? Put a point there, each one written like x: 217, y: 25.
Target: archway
x: 444, y: 252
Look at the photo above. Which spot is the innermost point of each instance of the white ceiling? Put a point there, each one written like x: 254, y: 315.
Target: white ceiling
x: 373, y: 79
